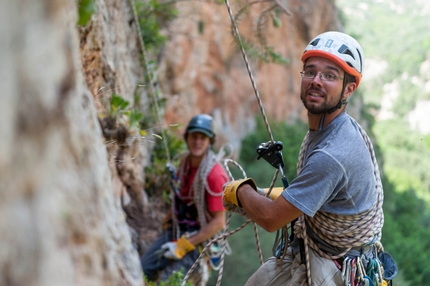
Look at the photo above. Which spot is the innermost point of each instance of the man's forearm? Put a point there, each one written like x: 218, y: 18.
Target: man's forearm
x: 208, y: 231
x: 270, y: 215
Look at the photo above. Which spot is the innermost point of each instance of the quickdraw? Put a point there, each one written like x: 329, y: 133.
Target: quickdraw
x: 378, y: 270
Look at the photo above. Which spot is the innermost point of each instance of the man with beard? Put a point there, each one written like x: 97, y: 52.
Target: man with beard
x: 197, y: 213
x: 334, y: 205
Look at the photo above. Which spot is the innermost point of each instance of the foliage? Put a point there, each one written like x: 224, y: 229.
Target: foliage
x: 406, y: 187
x: 153, y: 16
x: 406, y: 157
x: 157, y: 175
x: 159, y: 102
x: 262, y: 51
x: 396, y: 37
x: 395, y: 34
x: 86, y: 8
x: 406, y: 237
x: 119, y: 110
x: 174, y: 280
x: 117, y: 105
x: 426, y: 140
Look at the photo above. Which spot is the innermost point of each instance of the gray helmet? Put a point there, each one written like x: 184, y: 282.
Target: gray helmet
x: 202, y: 123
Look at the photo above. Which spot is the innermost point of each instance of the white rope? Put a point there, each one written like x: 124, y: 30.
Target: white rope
x: 223, y: 236
x: 342, y: 231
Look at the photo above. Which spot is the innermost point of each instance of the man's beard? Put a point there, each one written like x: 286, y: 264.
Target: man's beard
x: 325, y: 107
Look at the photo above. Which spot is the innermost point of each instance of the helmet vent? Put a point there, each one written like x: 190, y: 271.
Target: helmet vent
x: 361, y: 61
x: 315, y: 42
x: 346, y: 51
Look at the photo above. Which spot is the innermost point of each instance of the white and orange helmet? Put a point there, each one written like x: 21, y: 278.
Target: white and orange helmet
x: 341, y: 48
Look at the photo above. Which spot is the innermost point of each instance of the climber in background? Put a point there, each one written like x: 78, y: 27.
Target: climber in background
x: 197, y: 212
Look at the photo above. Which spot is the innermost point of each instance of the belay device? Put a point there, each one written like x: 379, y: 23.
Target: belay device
x: 271, y: 152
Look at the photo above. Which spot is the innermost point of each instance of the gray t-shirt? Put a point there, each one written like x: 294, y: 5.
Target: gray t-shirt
x: 338, y: 173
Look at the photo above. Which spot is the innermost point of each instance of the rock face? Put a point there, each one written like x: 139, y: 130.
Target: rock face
x: 203, y: 70
x: 60, y: 222
x: 71, y: 179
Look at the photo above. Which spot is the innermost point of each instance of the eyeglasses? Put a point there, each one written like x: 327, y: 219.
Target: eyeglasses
x: 325, y: 76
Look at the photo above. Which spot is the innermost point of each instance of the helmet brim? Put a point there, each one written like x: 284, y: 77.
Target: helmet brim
x: 323, y: 54
x: 200, y: 130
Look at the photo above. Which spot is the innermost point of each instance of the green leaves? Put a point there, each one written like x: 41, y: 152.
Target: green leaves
x: 120, y: 112
x: 153, y: 17
x: 86, y: 8
x: 157, y: 175
x: 117, y: 104
x: 276, y: 21
x: 134, y: 117
x: 174, y: 280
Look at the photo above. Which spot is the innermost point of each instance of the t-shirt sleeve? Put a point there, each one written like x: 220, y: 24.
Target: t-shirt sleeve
x: 319, y: 182
x: 216, y: 179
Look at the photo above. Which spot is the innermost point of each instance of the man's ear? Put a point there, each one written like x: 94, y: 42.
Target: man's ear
x: 349, y: 90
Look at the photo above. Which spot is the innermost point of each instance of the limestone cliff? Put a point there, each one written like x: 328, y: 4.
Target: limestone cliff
x: 203, y: 71
x: 60, y: 222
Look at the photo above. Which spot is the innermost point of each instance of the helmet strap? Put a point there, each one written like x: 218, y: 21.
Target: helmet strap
x: 341, y: 101
x: 321, y: 123
x: 334, y: 108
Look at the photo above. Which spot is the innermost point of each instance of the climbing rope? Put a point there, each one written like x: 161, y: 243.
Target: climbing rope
x: 205, y: 249
x: 260, y: 104
x: 248, y: 68
x: 223, y: 237
x: 342, y: 231
x: 150, y: 79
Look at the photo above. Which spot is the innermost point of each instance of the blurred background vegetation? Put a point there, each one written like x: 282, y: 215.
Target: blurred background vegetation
x: 395, y: 36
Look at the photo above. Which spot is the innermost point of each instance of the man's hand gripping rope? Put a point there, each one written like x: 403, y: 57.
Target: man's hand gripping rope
x: 231, y: 201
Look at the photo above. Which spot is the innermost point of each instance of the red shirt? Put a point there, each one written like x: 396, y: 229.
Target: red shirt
x: 216, y: 179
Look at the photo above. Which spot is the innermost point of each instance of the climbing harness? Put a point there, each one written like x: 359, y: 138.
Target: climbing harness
x: 221, y: 239
x: 215, y: 251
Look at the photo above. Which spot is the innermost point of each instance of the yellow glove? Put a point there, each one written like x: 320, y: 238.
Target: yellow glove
x: 177, y: 250
x: 229, y: 196
x: 274, y: 194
